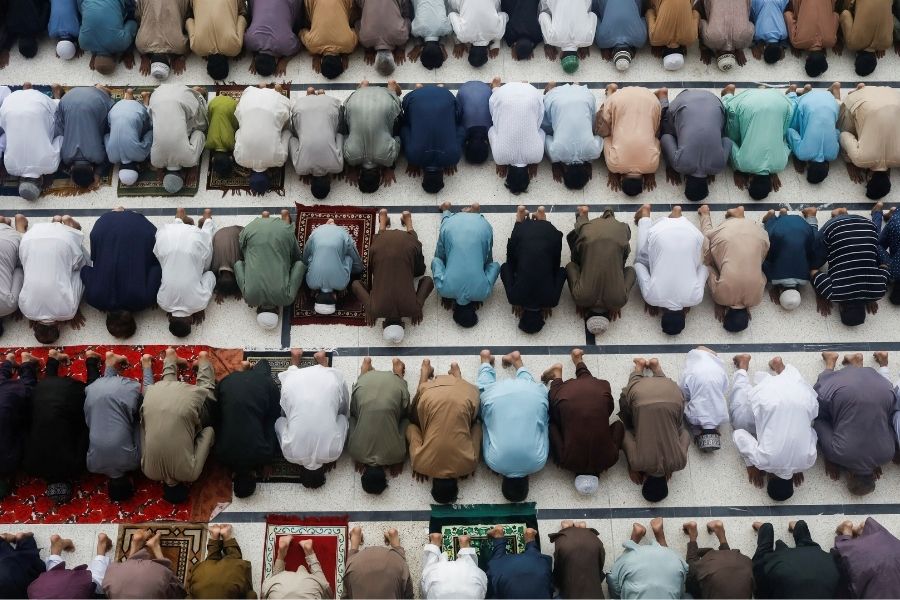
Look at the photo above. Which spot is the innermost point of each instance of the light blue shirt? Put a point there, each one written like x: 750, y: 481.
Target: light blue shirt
x: 647, y: 571
x: 331, y: 257
x: 569, y: 123
x: 768, y: 17
x: 813, y: 134
x: 619, y: 23
x: 130, y: 133
x: 463, y: 267
x: 515, y: 414
x: 431, y: 21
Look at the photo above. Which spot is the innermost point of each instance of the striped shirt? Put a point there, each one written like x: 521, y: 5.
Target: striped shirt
x: 854, y: 274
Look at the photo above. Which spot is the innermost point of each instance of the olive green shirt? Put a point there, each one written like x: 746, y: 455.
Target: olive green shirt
x: 378, y: 410
x: 271, y: 272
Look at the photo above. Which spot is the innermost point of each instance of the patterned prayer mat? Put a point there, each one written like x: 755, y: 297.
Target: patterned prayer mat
x: 150, y: 183
x: 476, y: 520
x: 182, y: 543
x: 329, y: 535
x: 58, y: 184
x: 360, y: 222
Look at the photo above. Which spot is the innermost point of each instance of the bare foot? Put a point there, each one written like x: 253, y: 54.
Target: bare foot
x: 690, y: 529
x: 21, y: 223
x: 577, y: 355
x: 392, y: 538
x: 465, y: 541
x: 845, y: 528
x: 655, y: 368
x: 530, y: 535
x: 513, y: 359
x: 398, y: 367
x: 435, y: 538
x: 146, y: 361
x: 58, y: 545
x: 756, y: 525
x: 284, y: 543
x: 454, y: 370
x: 881, y: 358
x: 540, y: 214
x: 356, y: 538
x: 741, y: 361
x: 658, y: 531
x: 286, y: 216
x: 566, y: 524
x: 791, y: 525
x: 104, y: 544
x: 486, y: 356
x: 296, y: 356
x: 717, y: 528
x: 521, y: 214
x: 853, y: 360
x: 321, y: 358
x: 830, y: 359
x: 640, y: 365
x: 638, y: 532
x: 777, y: 365
x: 307, y: 546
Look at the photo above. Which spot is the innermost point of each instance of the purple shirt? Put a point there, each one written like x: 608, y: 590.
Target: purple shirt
x: 271, y: 29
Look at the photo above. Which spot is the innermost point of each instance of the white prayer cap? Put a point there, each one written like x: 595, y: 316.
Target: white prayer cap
x: 587, y: 484
x: 597, y: 324
x: 673, y: 62
x: 127, y: 176
x: 622, y: 60
x: 65, y: 49
x: 726, y: 62
x: 393, y: 333
x: 160, y: 71
x: 324, y: 309
x: 267, y: 320
x: 789, y: 299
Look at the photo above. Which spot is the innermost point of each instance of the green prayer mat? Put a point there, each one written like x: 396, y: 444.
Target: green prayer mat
x: 514, y: 533
x: 476, y: 520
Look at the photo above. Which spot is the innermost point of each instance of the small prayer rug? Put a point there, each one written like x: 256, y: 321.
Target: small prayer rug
x: 182, y: 543
x: 329, y: 535
x: 150, y: 183
x: 476, y: 520
x: 360, y: 222
x: 58, y: 184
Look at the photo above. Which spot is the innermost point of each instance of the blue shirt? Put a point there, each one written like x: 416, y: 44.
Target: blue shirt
x: 474, y: 99
x: 768, y: 17
x: 793, y: 250
x: 107, y: 26
x: 647, y: 571
x: 526, y: 575
x: 65, y: 22
x: 619, y: 23
x: 813, y: 134
x: 332, y: 257
x: 432, y: 133
x: 515, y: 414
x: 130, y: 133
x: 463, y: 267
x: 125, y: 274
x: 569, y: 123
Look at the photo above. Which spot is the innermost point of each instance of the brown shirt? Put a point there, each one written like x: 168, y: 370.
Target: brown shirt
x: 396, y: 259
x: 870, y: 128
x: 217, y: 27
x: 812, y: 24
x: 142, y: 576
x: 377, y: 572
x: 578, y: 560
x: 330, y: 32
x: 224, y: 573
x: 734, y: 252
x: 444, y: 437
x: 226, y: 248
x: 672, y: 23
x: 720, y: 574
x: 868, y: 26
x: 656, y: 441
x: 161, y: 29
x: 384, y: 24
x: 597, y: 275
x: 628, y: 123
x: 727, y: 26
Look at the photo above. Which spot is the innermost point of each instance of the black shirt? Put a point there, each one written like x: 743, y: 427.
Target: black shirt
x: 532, y: 274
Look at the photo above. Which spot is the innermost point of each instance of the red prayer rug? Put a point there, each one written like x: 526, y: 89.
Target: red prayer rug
x: 329, y: 535
x: 360, y: 223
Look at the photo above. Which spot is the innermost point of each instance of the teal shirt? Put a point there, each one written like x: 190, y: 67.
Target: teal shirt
x: 463, y: 267
x: 647, y: 571
x: 758, y: 121
x: 268, y: 272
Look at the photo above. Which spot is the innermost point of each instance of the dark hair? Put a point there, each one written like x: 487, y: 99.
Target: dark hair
x: 477, y: 147
x: 82, y: 173
x: 576, y: 175
x: 816, y: 63
x: 865, y: 63
x: 244, y: 484
x: 465, y: 315
x: 160, y: 58
x: 444, y: 491
x: 312, y: 478
x: 265, y: 64
x: 736, y: 319
x: 515, y: 489
x: 369, y: 180
x: 320, y: 185
x: 894, y: 299
x: 695, y: 188
x: 524, y: 48
x: 655, y: 489
x: 28, y: 46
x: 332, y: 66
x: 852, y: 313
x: 860, y: 485
x: 672, y: 321
x: 221, y: 163
x: 326, y: 298
x: 531, y: 321
x: 226, y: 284
x: 259, y: 182
x: 180, y: 326
x: 46, y: 333
x: 176, y: 494
x: 120, y: 324
x: 760, y: 186
x: 478, y: 56
x: 632, y: 186
x: 432, y: 180
x: 119, y: 489
x: 780, y: 489
x: 772, y: 53
x: 217, y: 66
x: 517, y: 179
x: 879, y: 185
x: 816, y: 171
x: 373, y: 480
x: 432, y: 56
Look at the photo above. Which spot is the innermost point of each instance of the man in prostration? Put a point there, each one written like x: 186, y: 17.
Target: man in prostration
x: 578, y: 559
x: 672, y: 26
x: 812, y: 26
x: 220, y: 134
x: 758, y: 121
x: 315, y: 401
x: 161, y: 39
x: 216, y: 32
x: 716, y: 573
x: 317, y: 150
x: 474, y: 98
x: 85, y: 581
x: 11, y: 274
x: 855, y: 278
x: 272, y: 36
x: 516, y: 138
x: 888, y: 245
x: 395, y: 261
x: 516, y: 423
x: 770, y: 34
x: 125, y: 275
x: 145, y: 573
x: 571, y: 142
x: 330, y: 37
x: 176, y: 426
x: 107, y: 31
x: 463, y: 267
x: 669, y: 266
x: 371, y: 118
x: 656, y: 442
x: 867, y: 29
x: 130, y: 136
x: 226, y: 243
x: 185, y: 255
x: 377, y: 571
x: 854, y: 426
x: 22, y: 21
x: 332, y: 261
x: 301, y: 583
x: 379, y: 407
x: 528, y: 574
x: 444, y: 432
x: 264, y: 133
x: 443, y: 578
x: 568, y: 29
x: 725, y: 32
x: 428, y: 26
x: 15, y: 414
x: 244, y: 418
x: 647, y: 570
x: 478, y: 26
x: 270, y: 272
x: 805, y: 571
x: 523, y: 28
x: 867, y: 556
x: 703, y: 383
x: 693, y: 141
x: 621, y: 30
x: 532, y: 275
x: 383, y: 32
x: 112, y: 411
x: 223, y: 573
x: 598, y: 278
x: 179, y: 131
x: 21, y: 564
x: 52, y: 255
x: 582, y: 440
x: 772, y: 421
x: 793, y: 251
x: 28, y: 120
x: 868, y: 122
x: 734, y: 252
x: 82, y: 119
x: 431, y: 135
x: 813, y: 135
x: 628, y: 121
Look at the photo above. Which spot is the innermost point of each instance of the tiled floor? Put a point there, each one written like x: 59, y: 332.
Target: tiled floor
x: 711, y: 486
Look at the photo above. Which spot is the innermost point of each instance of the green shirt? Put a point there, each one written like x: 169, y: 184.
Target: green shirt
x: 758, y: 121
x: 222, y: 124
x: 378, y: 410
x: 270, y: 252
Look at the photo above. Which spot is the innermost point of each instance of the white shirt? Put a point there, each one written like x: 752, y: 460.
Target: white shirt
x: 704, y: 383
x: 782, y: 408
x: 52, y: 255
x: 516, y: 137
x: 460, y: 578
x: 669, y: 265
x: 185, y: 254
x: 568, y: 24
x: 4, y: 92
x: 315, y: 401
x: 477, y: 22
x: 28, y: 118
x: 264, y: 132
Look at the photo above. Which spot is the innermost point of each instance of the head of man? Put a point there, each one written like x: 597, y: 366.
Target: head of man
x: 128, y: 175
x: 515, y: 489
x: 160, y: 66
x: 760, y: 186
x: 726, y: 61
x: 180, y: 326
x: 477, y: 147
x: 82, y: 173
x: 332, y: 66
x: 478, y: 56
x: 226, y: 284
x: 736, y: 319
x: 816, y: 171
x: 780, y: 489
x: 259, y: 182
x: 517, y: 179
x: 597, y: 322
x: 852, y: 313
x: 265, y: 64
x: 672, y: 321
x: 173, y: 182
x: 176, y: 494
x: 217, y: 67
x: 60, y: 492
x: 312, y: 478
x: 432, y: 180
x: 30, y: 188
x: 587, y: 484
x: 772, y: 53
x: 695, y: 188
x: 66, y: 49
x: 569, y: 61
x: 244, y: 484
x: 384, y: 62
x: 816, y: 63
x: 632, y: 185
x: 221, y: 163
x: 655, y: 489
x: 320, y: 186
x: 104, y: 64
x: 879, y: 185
x: 393, y: 331
x: 374, y: 480
x: 119, y: 489
x: 532, y: 320
x: 576, y: 175
x: 28, y: 46
x: 524, y: 48
x: 861, y: 485
x: 622, y: 57
x: 46, y: 333
x: 369, y: 179
x: 444, y: 491
x: 865, y: 63
x: 673, y: 59
x: 465, y: 315
x: 120, y: 324
x: 267, y: 317
x: 326, y: 303
x: 432, y: 56
x: 789, y: 299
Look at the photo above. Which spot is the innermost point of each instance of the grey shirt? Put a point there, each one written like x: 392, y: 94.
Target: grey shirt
x: 112, y: 411
x: 431, y: 21
x: 693, y: 140
x: 130, y: 134
x: 11, y: 274
x: 318, y: 148
x: 179, y: 126
x: 81, y: 120
x: 370, y: 114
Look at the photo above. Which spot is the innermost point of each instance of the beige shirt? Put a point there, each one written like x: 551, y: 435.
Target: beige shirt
x: 296, y: 584
x: 628, y: 122
x: 868, y: 26
x: 656, y: 441
x: 330, y: 32
x: 734, y: 252
x: 161, y: 29
x: 672, y: 23
x: 217, y: 27
x: 870, y: 128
